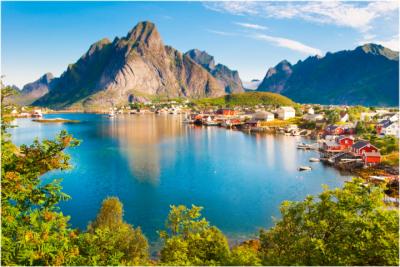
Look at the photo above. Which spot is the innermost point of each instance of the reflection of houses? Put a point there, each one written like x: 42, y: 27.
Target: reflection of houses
x: 285, y: 113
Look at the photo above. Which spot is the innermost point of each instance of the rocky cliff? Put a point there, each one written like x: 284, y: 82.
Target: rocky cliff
x: 227, y: 78
x: 137, y: 64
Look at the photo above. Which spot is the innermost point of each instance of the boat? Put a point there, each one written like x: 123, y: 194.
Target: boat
x: 303, y: 146
x: 111, y: 114
x: 305, y: 168
x: 314, y: 160
x: 211, y: 123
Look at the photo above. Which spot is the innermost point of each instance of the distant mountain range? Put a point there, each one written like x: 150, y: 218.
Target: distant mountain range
x: 367, y: 75
x: 139, y: 66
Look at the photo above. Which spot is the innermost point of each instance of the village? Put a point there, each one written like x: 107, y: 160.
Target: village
x: 348, y: 138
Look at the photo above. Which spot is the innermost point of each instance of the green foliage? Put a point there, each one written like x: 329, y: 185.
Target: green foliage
x: 190, y: 240
x: 111, y: 241
x: 386, y: 144
x: 34, y: 232
x: 246, y: 254
x: 349, y: 226
x: 247, y: 99
x: 332, y: 116
x: 363, y: 128
x: 355, y: 112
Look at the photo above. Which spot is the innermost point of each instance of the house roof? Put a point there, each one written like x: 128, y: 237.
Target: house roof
x: 360, y: 144
x: 344, y: 137
x: 385, y: 123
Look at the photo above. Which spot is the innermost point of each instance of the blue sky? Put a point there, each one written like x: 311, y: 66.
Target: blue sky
x: 247, y: 36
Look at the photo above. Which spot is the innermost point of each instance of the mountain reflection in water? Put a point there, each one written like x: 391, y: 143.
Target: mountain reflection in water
x: 139, y: 138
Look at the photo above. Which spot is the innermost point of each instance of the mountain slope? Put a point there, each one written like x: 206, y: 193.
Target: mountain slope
x: 248, y: 99
x: 139, y: 63
x: 227, y: 78
x: 34, y: 90
x: 367, y: 75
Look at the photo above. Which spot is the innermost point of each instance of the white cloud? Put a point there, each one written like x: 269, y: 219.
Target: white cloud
x: 223, y: 33
x: 288, y: 43
x: 251, y: 26
x: 356, y: 15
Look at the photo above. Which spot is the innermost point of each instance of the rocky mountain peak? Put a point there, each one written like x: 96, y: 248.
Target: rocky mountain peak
x: 202, y: 58
x: 378, y: 50
x: 146, y: 33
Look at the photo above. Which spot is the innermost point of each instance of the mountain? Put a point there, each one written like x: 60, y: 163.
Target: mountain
x: 367, y: 75
x: 227, y: 78
x: 34, y: 90
x: 251, y: 85
x: 138, y: 64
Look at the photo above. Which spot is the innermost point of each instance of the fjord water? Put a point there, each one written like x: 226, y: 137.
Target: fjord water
x: 153, y: 161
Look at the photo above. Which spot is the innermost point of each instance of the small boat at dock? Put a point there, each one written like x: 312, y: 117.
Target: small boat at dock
x: 314, y: 160
x: 304, y: 146
x: 305, y: 168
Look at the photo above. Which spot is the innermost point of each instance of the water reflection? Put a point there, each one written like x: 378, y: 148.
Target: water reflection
x: 141, y: 139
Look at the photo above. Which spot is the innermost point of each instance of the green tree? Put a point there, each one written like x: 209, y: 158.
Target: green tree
x: 246, y: 254
x: 33, y: 230
x: 349, y: 226
x: 190, y: 240
x: 111, y: 241
x: 332, y: 116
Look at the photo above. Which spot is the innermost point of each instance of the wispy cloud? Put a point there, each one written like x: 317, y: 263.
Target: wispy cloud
x: 223, y: 33
x: 356, y: 15
x: 251, y: 26
x: 288, y: 43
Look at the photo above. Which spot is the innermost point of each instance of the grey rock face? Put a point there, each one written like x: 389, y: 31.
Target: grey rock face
x: 139, y: 63
x: 227, y: 78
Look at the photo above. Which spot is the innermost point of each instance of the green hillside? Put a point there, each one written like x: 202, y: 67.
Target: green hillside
x: 247, y: 99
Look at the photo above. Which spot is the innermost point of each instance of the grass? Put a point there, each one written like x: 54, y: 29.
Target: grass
x: 247, y: 99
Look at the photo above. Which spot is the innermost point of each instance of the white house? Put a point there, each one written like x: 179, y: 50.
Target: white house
x: 391, y: 129
x: 285, y: 113
x: 313, y: 117
x: 344, y: 117
x: 263, y: 116
x: 394, y: 117
x: 310, y: 111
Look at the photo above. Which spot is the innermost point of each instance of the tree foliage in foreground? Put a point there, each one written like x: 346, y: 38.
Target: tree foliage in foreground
x: 349, y: 226
x: 190, y: 240
x: 111, y: 241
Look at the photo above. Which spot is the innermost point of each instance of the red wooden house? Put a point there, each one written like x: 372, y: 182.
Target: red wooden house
x: 331, y: 146
x: 226, y: 112
x: 345, y: 142
x: 334, y: 130
x: 361, y: 147
x: 371, y: 158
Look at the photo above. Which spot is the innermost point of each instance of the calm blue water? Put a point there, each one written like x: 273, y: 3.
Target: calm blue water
x: 151, y: 162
